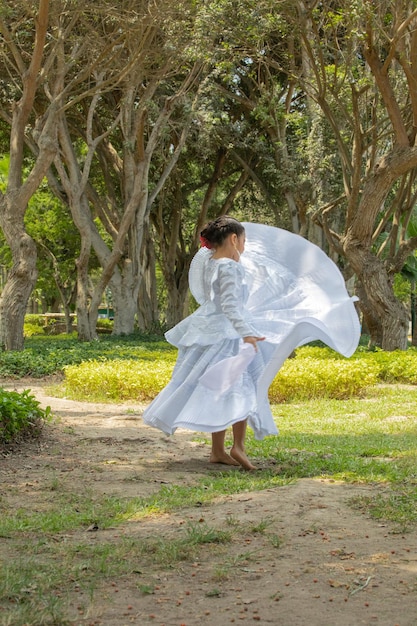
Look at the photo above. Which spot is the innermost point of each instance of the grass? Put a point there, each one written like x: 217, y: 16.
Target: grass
x: 370, y: 440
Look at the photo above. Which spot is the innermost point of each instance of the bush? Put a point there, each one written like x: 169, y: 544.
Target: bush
x: 104, y: 325
x: 45, y: 355
x: 300, y: 378
x: 118, y: 379
x: 137, y: 367
x: 305, y: 378
x: 315, y: 372
x: 34, y: 325
x: 35, y: 318
x: 318, y: 372
x: 32, y: 329
x: 397, y: 366
x: 30, y: 362
x: 20, y: 415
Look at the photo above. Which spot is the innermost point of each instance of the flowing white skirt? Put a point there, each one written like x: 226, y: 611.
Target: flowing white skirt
x: 296, y: 295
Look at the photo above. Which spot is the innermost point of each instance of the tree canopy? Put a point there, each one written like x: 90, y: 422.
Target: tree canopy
x: 145, y: 119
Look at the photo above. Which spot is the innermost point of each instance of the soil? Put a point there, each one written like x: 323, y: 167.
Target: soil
x: 318, y: 562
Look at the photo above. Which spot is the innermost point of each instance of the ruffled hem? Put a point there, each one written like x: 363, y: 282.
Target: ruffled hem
x: 187, y: 403
x: 254, y: 422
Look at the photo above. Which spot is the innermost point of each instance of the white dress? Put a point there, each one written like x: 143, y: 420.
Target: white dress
x: 284, y: 289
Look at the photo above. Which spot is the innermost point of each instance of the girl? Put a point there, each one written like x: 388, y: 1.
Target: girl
x: 253, y: 312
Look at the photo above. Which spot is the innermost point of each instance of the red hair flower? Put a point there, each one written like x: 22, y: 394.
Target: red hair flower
x: 204, y: 243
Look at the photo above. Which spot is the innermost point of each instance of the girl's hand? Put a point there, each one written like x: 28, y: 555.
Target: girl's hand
x: 253, y: 341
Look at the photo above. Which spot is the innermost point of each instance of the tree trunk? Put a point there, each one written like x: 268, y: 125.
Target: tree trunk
x: 124, y: 294
x: 384, y: 314
x: 86, y: 327
x: 375, y: 274
x: 124, y: 314
x: 147, y: 308
x: 371, y: 324
x: 16, y: 293
x: 22, y: 277
x: 177, y: 298
x: 413, y: 314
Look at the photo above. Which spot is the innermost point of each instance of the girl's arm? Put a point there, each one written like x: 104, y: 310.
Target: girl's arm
x: 230, y: 281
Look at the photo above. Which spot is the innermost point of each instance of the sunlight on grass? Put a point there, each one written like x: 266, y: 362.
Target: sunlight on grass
x: 215, y: 484
x: 369, y: 440
x: 359, y: 440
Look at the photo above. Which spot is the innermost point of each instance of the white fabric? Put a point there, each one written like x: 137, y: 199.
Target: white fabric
x: 221, y: 376
x: 285, y: 289
x: 222, y: 294
x: 297, y: 295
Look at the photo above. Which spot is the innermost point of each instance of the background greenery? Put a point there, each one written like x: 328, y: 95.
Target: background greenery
x: 137, y: 367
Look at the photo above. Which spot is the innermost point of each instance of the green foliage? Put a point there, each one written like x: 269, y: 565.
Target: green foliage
x: 46, y: 355
x: 32, y: 329
x: 34, y: 318
x: 120, y: 379
x: 402, y: 287
x: 394, y: 367
x: 139, y: 366
x: 304, y: 378
x: 20, y: 415
x: 104, y: 323
x: 315, y: 372
x: 34, y: 325
x: 4, y: 171
x: 319, y: 372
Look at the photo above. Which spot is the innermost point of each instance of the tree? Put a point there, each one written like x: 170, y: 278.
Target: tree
x: 349, y: 70
x: 117, y: 153
x: 227, y: 164
x: 63, y: 72
x: 362, y: 75
x: 18, y: 113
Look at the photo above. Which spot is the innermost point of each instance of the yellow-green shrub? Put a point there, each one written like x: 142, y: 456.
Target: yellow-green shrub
x: 33, y: 325
x: 104, y: 324
x: 118, y: 379
x: 32, y: 329
x: 305, y: 378
x: 398, y: 366
x: 317, y: 352
x: 315, y: 372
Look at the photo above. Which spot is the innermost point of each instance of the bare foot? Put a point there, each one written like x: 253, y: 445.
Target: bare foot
x: 224, y: 458
x: 241, y: 458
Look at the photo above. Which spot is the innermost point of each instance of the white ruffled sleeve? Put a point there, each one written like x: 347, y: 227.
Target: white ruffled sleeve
x: 230, y: 279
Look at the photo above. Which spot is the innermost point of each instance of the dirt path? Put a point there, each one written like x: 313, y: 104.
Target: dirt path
x: 317, y: 563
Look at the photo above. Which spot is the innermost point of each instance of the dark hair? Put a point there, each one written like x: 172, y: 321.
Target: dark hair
x: 218, y: 230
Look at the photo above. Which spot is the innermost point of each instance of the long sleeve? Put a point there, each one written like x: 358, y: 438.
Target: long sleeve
x: 230, y: 279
